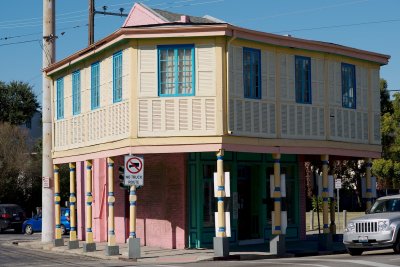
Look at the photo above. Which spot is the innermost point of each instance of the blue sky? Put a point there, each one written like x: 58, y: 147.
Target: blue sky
x: 365, y: 24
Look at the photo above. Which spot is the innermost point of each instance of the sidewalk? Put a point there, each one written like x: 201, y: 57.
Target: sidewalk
x: 307, y: 247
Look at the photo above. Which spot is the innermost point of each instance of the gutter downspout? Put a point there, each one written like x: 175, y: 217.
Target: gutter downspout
x: 228, y: 43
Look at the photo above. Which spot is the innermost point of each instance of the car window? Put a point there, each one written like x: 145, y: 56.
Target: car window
x: 387, y: 205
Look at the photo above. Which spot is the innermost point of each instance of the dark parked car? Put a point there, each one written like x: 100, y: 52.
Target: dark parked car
x: 11, y: 217
x: 34, y: 224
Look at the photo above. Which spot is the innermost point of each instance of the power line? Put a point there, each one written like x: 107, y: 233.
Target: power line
x: 21, y: 42
x: 339, y: 26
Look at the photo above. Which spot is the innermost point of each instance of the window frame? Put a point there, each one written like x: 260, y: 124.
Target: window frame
x: 60, y: 98
x: 347, y: 103
x: 76, y: 92
x: 252, y: 91
x: 309, y: 83
x: 95, y: 85
x: 175, y: 48
x: 117, y: 91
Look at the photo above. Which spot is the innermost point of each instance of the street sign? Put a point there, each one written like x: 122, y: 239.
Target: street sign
x: 338, y: 183
x: 134, y: 169
x: 46, y: 182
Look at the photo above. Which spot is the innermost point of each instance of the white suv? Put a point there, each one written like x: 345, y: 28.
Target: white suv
x: 379, y: 228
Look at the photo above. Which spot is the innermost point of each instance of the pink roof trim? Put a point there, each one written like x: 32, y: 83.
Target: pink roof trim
x: 142, y: 15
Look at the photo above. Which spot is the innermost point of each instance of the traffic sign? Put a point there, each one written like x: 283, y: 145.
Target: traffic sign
x: 338, y: 183
x: 134, y: 170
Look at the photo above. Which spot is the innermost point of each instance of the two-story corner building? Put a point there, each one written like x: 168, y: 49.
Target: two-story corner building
x: 178, y: 89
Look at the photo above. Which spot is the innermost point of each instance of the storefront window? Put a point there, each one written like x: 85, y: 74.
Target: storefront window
x: 208, y: 193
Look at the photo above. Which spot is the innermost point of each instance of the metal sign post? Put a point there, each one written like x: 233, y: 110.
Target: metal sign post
x: 338, y: 185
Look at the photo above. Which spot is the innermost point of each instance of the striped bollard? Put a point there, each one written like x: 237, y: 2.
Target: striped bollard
x: 89, y: 245
x: 73, y: 243
x: 58, y: 241
x: 133, y: 242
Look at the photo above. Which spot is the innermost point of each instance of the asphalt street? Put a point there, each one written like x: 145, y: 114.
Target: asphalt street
x: 14, y: 255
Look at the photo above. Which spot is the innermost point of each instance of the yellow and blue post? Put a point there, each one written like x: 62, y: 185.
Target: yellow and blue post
x: 133, y: 242
x: 325, y: 193
x: 73, y: 242
x: 277, y: 195
x: 112, y: 248
x: 58, y: 241
x: 221, y: 241
x: 89, y: 244
x: 368, y: 183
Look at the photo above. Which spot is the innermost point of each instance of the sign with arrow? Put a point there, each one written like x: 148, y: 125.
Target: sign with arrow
x: 134, y: 169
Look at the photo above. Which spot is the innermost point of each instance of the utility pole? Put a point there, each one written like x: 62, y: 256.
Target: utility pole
x: 48, y: 55
x: 92, y: 12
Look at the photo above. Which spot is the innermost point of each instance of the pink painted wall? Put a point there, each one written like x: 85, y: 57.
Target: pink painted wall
x: 302, y: 198
x: 121, y: 211
x: 80, y: 199
x: 99, y: 200
x: 139, y: 15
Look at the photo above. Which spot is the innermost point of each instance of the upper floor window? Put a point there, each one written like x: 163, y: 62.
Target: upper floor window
x: 176, y: 70
x: 60, y: 98
x: 76, y: 92
x: 303, y: 79
x: 348, y: 86
x: 252, y: 73
x: 117, y: 77
x: 95, y: 86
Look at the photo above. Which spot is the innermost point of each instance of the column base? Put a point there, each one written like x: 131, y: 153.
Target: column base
x: 325, y: 241
x: 277, y: 245
x: 73, y: 244
x: 89, y: 247
x: 133, y: 248
x: 112, y: 250
x: 221, y: 246
x: 58, y: 242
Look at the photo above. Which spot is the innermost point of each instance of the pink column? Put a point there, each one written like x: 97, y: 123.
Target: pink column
x: 121, y: 204
x: 302, y: 198
x: 80, y: 195
x: 99, y: 200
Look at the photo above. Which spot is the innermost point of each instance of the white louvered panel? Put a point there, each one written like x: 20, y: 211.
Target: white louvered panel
x: 321, y: 122
x: 271, y: 74
x: 231, y: 70
x: 290, y: 77
x: 256, y: 117
x: 346, y: 124
x: 283, y: 76
x: 264, y: 118
x: 375, y: 90
x: 353, y: 124
x: 238, y: 71
x: 183, y: 114
x: 365, y: 126
x: 205, y: 62
x: 307, y: 121
x: 196, y: 114
x: 156, y: 115
x: 377, y: 128
x: 292, y: 120
x: 239, y: 115
x: 247, y: 116
x: 143, y: 115
x: 314, y: 121
x: 299, y: 121
x: 272, y: 120
x: 210, y: 114
x: 231, y: 115
x: 147, y: 71
x: 170, y: 115
x: 359, y: 126
x: 127, y: 118
x: 364, y: 91
x: 264, y: 74
x: 338, y: 84
x: 332, y: 122
x: 339, y: 123
x: 103, y: 123
x: 317, y: 78
x: 335, y: 83
x: 284, y: 120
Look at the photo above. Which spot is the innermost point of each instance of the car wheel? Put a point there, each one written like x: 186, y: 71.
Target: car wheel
x: 396, y: 246
x: 28, y: 229
x: 62, y: 227
x: 355, y: 251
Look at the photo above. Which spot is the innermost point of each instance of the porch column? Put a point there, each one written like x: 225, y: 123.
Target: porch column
x: 112, y: 248
x: 133, y: 242
x: 277, y: 194
x: 325, y: 193
x: 73, y: 242
x: 221, y: 241
x: 89, y: 245
x: 58, y: 241
x: 368, y: 184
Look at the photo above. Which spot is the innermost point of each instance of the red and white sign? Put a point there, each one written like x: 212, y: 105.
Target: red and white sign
x: 134, y: 169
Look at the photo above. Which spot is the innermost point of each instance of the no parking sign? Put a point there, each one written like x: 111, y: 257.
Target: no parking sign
x: 134, y: 169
